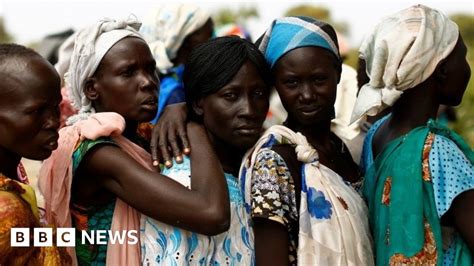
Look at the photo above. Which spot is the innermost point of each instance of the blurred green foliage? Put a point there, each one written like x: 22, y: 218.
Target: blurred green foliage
x: 4, y: 35
x: 227, y: 15
x: 318, y: 12
x: 465, y: 111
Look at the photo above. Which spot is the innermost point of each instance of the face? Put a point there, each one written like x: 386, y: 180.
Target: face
x: 456, y: 75
x: 201, y: 35
x: 306, y: 79
x: 235, y: 114
x: 126, y: 81
x: 29, y: 109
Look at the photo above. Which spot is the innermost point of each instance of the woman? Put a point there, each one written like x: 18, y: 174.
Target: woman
x: 297, y: 176
x: 231, y: 101
x: 173, y: 31
x: 285, y: 205
x: 100, y: 178
x: 29, y: 120
x: 416, y: 60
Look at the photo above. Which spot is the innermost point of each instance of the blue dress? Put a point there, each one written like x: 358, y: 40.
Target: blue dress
x: 162, y: 244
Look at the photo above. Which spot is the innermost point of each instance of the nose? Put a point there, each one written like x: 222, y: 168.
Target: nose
x: 52, y: 119
x: 247, y: 108
x: 307, y: 94
x: 149, y: 81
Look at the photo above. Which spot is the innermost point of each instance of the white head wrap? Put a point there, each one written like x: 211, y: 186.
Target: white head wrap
x: 167, y: 27
x: 64, y: 55
x: 402, y: 51
x: 90, y: 46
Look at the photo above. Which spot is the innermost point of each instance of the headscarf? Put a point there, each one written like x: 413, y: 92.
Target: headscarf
x: 90, y: 46
x: 167, y: 27
x: 401, y: 52
x: 288, y: 33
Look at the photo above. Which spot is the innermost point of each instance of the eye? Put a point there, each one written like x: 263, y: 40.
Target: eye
x: 152, y: 69
x: 230, y: 96
x: 128, y: 72
x: 260, y: 92
x: 290, y: 83
x: 320, y: 78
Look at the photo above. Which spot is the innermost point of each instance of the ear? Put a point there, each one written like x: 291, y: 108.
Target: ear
x: 90, y: 89
x: 197, y: 107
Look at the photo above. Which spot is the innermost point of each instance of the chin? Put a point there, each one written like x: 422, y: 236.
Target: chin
x: 39, y: 156
x: 145, y: 117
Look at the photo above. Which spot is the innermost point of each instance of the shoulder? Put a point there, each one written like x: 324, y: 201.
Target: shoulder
x: 87, y: 145
x: 446, y: 151
x: 452, y: 173
x: 275, y: 156
x: 14, y: 212
x: 274, y: 165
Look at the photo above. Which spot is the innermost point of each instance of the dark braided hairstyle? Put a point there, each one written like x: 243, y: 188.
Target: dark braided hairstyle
x: 213, y: 64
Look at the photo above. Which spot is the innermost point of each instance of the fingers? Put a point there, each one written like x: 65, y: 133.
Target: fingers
x: 173, y: 143
x: 154, y: 146
x: 165, y: 152
x: 184, y: 139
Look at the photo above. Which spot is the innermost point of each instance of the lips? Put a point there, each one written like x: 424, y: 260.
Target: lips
x: 150, y: 103
x: 248, y: 130
x: 309, y: 110
x: 52, y: 142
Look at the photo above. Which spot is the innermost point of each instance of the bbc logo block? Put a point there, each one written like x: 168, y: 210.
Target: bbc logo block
x: 20, y: 237
x: 42, y: 237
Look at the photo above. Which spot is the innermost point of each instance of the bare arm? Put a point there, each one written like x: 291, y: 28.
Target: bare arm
x: 203, y: 209
x: 463, y: 216
x: 271, y: 242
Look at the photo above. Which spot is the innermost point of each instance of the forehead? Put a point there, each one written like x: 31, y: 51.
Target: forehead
x: 30, y: 77
x: 306, y: 58
x: 126, y: 47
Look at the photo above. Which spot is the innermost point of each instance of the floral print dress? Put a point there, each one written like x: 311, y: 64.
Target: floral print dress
x: 330, y: 227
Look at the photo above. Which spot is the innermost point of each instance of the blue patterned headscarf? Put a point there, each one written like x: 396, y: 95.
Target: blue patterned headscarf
x: 288, y: 33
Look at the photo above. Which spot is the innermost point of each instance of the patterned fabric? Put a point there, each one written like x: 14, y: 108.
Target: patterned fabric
x: 162, y: 244
x: 447, y: 171
x: 273, y: 195
x: 18, y: 209
x: 286, y: 34
x: 333, y: 228
x: 401, y: 52
x: 92, y: 218
x: 171, y: 90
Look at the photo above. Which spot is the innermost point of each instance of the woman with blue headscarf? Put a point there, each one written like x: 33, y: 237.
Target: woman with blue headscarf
x: 297, y: 178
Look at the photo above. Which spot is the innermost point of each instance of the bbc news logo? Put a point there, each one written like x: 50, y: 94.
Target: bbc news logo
x: 66, y: 237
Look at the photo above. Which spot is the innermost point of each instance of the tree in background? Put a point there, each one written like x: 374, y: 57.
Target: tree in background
x: 226, y: 15
x: 4, y: 35
x: 318, y: 12
x: 465, y: 112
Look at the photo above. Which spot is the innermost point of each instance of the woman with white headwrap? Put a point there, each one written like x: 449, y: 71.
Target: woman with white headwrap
x: 172, y: 31
x: 419, y: 176
x: 101, y: 177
